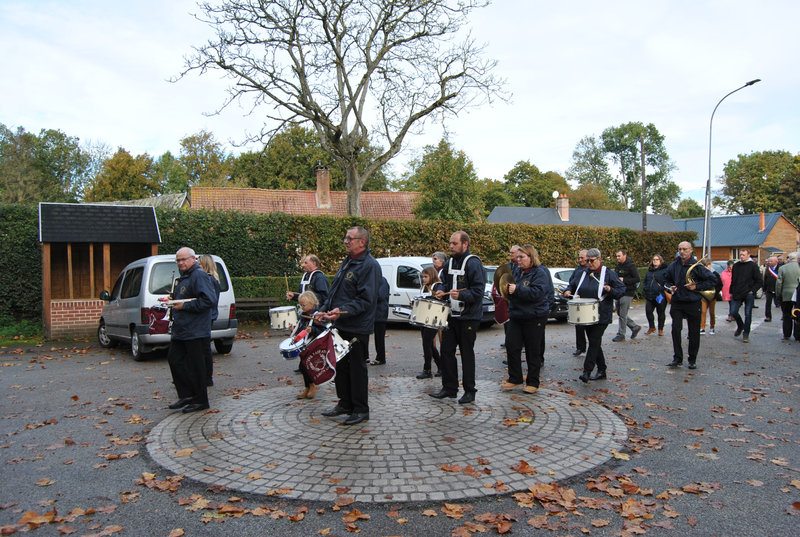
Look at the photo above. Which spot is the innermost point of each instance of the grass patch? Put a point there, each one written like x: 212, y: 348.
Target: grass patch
x: 15, y: 332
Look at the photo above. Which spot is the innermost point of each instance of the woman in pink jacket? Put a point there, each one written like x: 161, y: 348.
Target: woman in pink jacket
x: 725, y: 275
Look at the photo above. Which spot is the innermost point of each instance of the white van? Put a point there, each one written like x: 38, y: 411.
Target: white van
x: 134, y: 315
x: 403, y: 275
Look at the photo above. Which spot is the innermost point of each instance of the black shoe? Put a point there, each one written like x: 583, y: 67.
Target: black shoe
x: 618, y: 338
x: 441, y: 394
x: 356, y: 417
x: 692, y: 365
x: 674, y: 363
x: 336, y: 411
x: 209, y: 383
x: 194, y: 408
x: 468, y: 397
x: 767, y: 320
x: 297, y: 370
x: 600, y: 375
x: 578, y: 352
x: 738, y: 332
x: 425, y: 375
x: 584, y: 377
x: 437, y: 374
x: 635, y: 332
x: 502, y: 345
x: 180, y: 403
x: 505, y: 362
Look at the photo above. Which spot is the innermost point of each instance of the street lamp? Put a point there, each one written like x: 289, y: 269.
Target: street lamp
x: 706, y: 221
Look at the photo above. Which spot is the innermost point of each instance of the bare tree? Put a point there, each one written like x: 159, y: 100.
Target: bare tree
x: 358, y: 70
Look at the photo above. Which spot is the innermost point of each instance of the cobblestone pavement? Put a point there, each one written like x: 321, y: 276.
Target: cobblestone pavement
x: 269, y: 442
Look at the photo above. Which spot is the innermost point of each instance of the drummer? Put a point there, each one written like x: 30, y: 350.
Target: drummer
x: 530, y: 298
x: 308, y: 305
x: 430, y: 284
x: 602, y: 283
x: 312, y: 280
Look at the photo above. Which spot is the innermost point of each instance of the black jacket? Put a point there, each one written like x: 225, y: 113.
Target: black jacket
x: 654, y: 282
x: 629, y: 275
x: 770, y: 280
x: 355, y: 290
x: 589, y: 287
x: 193, y: 320
x: 676, y: 275
x: 473, y: 281
x: 533, y: 296
x: 745, y: 279
x: 382, y: 307
x: 319, y: 285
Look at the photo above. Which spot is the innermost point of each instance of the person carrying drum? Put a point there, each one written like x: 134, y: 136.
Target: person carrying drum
x: 580, y: 330
x: 602, y: 284
x: 312, y: 280
x: 464, y: 282
x: 530, y: 298
x: 430, y: 284
x: 308, y: 306
x: 351, y: 306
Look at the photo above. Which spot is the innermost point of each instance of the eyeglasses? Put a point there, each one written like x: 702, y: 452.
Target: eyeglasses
x: 689, y: 248
x: 591, y: 259
x: 348, y: 238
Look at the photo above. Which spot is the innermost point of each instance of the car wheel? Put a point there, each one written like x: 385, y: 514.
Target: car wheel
x: 103, y: 338
x: 136, y: 347
x: 223, y: 346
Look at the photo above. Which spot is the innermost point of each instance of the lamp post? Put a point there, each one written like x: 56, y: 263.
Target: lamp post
x: 706, y: 220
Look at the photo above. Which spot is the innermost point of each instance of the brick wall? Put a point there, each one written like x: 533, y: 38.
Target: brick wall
x: 73, y: 318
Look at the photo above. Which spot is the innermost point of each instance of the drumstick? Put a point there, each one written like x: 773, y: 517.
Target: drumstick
x: 287, y: 281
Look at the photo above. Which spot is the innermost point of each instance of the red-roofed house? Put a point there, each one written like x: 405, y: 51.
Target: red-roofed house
x: 322, y: 201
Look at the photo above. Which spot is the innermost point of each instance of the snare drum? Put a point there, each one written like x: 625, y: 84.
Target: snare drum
x: 291, y: 349
x: 429, y: 313
x: 283, y: 317
x: 583, y: 311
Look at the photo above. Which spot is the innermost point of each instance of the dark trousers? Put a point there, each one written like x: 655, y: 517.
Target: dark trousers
x: 209, y: 360
x: 789, y: 323
x: 580, y: 338
x: 307, y: 382
x: 352, y: 378
x: 660, y: 309
x: 187, y: 363
x: 770, y: 296
x: 748, y: 302
x: 380, y: 342
x: 530, y: 334
x: 429, y: 350
x: 692, y: 312
x: 459, y: 334
x: 594, y: 354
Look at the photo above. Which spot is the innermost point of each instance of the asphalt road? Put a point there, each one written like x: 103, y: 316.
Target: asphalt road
x: 710, y: 452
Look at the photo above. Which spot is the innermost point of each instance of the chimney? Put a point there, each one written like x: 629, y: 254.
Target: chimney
x: 762, y: 224
x: 562, y: 206
x: 323, y: 187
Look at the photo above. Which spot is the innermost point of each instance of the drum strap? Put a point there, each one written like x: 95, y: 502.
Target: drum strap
x: 600, y: 282
x: 305, y: 280
x: 458, y: 272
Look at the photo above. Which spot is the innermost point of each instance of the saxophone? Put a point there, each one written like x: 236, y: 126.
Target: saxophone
x: 709, y: 294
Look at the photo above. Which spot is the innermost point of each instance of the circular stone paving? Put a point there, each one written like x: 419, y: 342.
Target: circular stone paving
x: 413, y: 448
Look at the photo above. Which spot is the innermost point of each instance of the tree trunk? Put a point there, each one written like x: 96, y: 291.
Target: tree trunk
x: 353, y: 189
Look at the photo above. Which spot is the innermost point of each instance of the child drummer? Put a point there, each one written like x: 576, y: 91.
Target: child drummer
x: 308, y: 305
x: 430, y: 284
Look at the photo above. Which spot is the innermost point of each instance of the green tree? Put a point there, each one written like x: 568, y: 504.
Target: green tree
x: 205, y: 161
x: 789, y: 193
x: 592, y: 196
x: 49, y: 167
x: 493, y: 194
x: 752, y: 183
x: 589, y: 165
x: 447, y: 184
x: 169, y: 174
x: 123, y: 177
x: 688, y: 208
x: 531, y: 188
x: 623, y: 144
x: 342, y: 65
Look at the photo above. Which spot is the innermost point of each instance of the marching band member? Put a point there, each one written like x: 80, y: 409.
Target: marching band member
x: 430, y: 284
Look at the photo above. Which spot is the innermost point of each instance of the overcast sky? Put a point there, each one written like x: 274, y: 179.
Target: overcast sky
x: 99, y: 70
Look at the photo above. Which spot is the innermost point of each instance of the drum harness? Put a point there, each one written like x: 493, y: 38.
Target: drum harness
x: 599, y: 282
x: 457, y: 306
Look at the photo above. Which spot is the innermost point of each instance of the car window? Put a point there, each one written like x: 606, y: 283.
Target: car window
x: 408, y: 277
x: 489, y: 276
x: 223, y: 278
x: 133, y: 283
x: 117, y: 286
x: 564, y: 274
x: 161, y: 276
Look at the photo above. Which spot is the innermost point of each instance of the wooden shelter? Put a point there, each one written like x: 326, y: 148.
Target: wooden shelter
x: 85, y: 246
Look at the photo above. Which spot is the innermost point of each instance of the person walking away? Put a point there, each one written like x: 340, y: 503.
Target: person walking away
x: 381, y: 318
x: 745, y: 282
x: 629, y: 275
x: 785, y: 286
x: 770, y: 277
x: 655, y: 301
x: 208, y: 265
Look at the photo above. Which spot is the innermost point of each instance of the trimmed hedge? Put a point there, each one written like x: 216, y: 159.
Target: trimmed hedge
x: 272, y: 245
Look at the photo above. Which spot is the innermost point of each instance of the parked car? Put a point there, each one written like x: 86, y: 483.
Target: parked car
x: 133, y: 314
x: 403, y: 275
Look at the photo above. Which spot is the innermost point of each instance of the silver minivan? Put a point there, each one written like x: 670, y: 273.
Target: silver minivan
x: 133, y: 313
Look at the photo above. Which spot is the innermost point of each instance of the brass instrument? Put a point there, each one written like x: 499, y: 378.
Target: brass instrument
x: 796, y: 313
x: 709, y: 295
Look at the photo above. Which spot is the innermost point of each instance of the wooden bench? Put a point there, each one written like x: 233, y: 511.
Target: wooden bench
x: 256, y: 307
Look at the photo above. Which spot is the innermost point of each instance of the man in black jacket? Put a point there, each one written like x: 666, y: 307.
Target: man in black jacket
x: 312, y: 280
x: 629, y: 275
x: 351, y: 305
x: 685, y: 302
x: 580, y: 330
x: 464, y: 282
x: 745, y: 281
x: 770, y: 278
